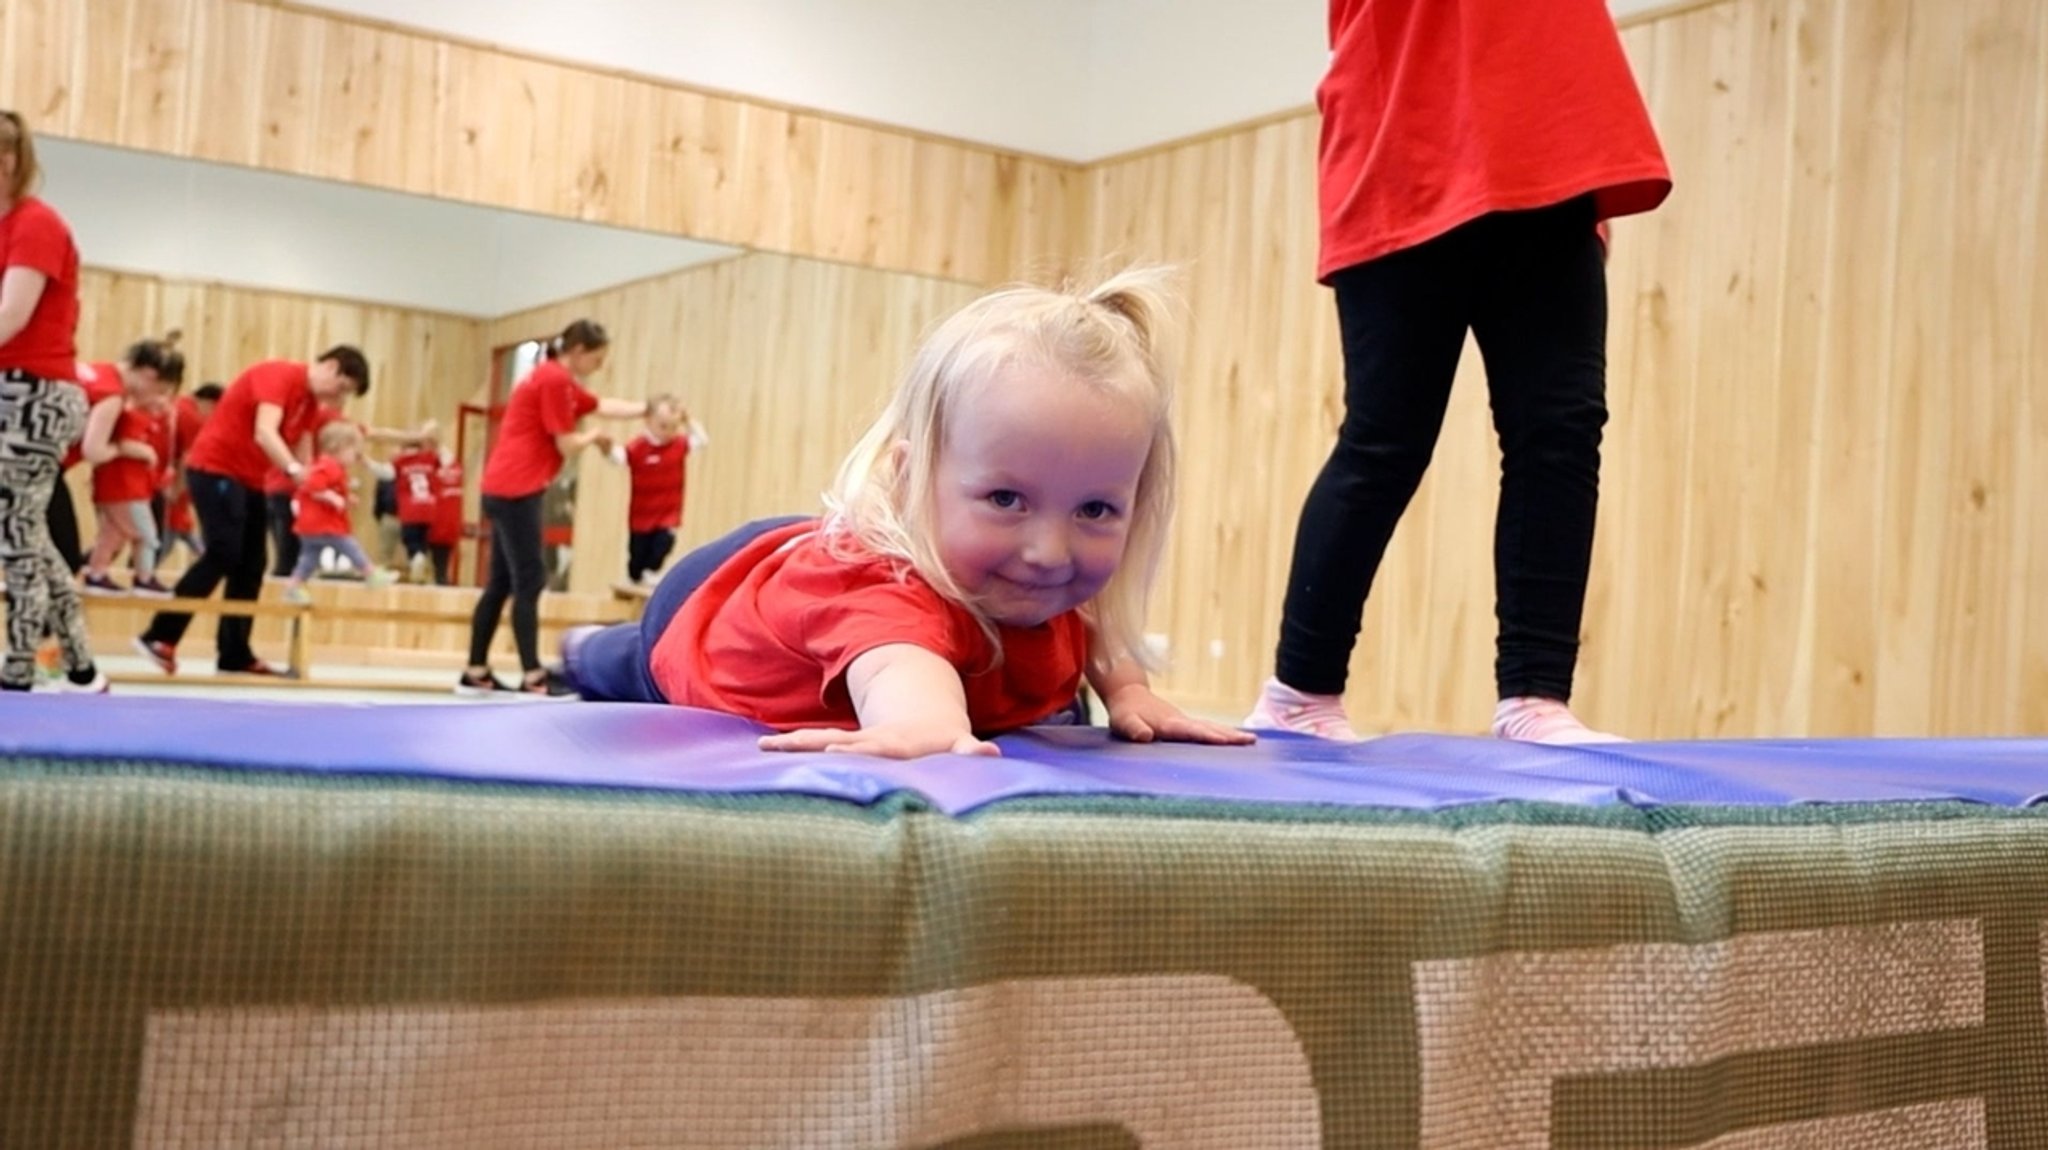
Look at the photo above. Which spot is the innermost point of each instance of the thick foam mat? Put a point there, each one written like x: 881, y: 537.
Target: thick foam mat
x: 677, y: 749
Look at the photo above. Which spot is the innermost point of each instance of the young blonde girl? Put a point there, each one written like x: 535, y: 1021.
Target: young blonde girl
x: 989, y: 543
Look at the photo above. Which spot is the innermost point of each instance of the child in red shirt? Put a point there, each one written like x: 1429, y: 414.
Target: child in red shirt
x: 990, y: 541
x: 1469, y: 149
x: 659, y: 463
x: 121, y: 489
x: 320, y: 511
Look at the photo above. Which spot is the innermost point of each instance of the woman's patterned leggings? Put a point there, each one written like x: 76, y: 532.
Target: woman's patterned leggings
x: 39, y: 419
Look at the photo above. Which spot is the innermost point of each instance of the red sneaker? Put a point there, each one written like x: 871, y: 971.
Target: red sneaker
x: 163, y: 655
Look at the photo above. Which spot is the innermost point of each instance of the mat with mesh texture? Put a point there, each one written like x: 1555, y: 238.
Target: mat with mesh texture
x: 197, y: 958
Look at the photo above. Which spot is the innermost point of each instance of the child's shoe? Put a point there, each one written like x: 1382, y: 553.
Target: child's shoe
x: 1282, y: 708
x: 380, y: 578
x: 149, y: 587
x: 297, y: 594
x: 1529, y: 719
x: 93, y: 584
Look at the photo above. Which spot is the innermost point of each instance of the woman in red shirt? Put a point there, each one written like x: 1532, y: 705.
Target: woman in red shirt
x: 41, y: 415
x: 1470, y: 149
x: 539, y: 429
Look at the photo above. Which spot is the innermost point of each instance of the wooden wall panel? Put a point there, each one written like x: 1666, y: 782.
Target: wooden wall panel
x: 783, y: 360
x: 269, y: 86
x: 1821, y: 508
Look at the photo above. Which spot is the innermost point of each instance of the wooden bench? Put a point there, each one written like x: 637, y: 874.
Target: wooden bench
x: 300, y: 618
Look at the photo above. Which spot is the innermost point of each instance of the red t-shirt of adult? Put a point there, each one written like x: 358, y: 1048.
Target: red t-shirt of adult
x: 547, y: 403
x: 122, y: 479
x: 770, y: 634
x: 104, y: 385
x: 414, y: 471
x: 446, y: 529
x: 33, y: 235
x: 1437, y: 112
x: 318, y: 516
x: 227, y: 444
x: 658, y: 476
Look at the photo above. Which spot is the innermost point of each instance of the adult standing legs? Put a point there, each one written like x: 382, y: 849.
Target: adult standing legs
x: 1402, y: 319
x: 38, y: 419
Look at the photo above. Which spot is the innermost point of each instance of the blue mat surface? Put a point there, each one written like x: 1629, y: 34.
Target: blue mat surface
x: 673, y: 748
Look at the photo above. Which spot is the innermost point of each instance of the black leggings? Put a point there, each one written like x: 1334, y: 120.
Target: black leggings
x: 284, y: 542
x: 646, y: 551
x: 1532, y: 289
x: 63, y: 520
x: 231, y: 521
x: 518, y: 573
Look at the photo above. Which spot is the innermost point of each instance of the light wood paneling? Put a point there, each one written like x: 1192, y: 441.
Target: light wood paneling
x: 317, y: 94
x: 783, y: 360
x: 1822, y: 506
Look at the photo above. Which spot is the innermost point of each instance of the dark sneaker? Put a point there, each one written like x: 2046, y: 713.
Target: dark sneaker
x: 149, y: 589
x: 482, y: 686
x: 550, y: 687
x: 163, y: 655
x: 261, y: 668
x: 95, y: 683
x: 101, y: 585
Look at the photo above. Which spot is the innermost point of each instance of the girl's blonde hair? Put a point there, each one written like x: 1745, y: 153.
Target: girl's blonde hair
x: 1110, y: 338
x: 339, y: 434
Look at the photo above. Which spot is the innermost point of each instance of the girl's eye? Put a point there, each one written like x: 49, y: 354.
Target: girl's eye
x: 1098, y: 509
x: 1006, y: 500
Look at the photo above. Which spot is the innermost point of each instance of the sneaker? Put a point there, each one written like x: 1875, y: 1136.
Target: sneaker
x: 381, y: 577
x: 163, y: 655
x: 260, y: 668
x: 148, y: 587
x: 93, y: 584
x: 1282, y: 708
x: 551, y: 687
x: 298, y: 595
x: 572, y: 652
x: 1529, y: 719
x: 96, y: 684
x: 482, y: 686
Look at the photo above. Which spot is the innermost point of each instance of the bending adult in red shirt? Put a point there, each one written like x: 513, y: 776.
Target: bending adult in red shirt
x: 539, y: 430
x: 263, y: 412
x: 1469, y: 150
x: 41, y: 415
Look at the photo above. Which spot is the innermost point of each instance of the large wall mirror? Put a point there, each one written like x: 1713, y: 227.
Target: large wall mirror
x: 780, y: 358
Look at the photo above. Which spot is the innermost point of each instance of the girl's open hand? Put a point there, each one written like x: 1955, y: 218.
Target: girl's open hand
x: 888, y: 741
x: 1137, y: 714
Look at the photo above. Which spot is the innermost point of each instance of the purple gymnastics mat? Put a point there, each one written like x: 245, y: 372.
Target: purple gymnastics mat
x: 677, y: 749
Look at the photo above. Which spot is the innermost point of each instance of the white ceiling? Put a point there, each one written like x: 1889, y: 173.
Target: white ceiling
x: 1071, y: 79
x: 186, y: 219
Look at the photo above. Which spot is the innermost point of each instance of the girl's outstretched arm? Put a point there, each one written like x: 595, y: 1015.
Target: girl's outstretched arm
x: 910, y: 704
